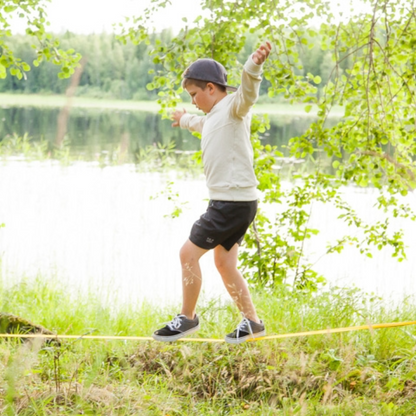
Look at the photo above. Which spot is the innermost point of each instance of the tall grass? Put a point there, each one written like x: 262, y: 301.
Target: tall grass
x: 355, y: 373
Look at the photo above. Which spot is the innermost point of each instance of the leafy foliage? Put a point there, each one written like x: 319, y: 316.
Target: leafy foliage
x: 121, y: 71
x: 369, y: 70
x: 47, y: 48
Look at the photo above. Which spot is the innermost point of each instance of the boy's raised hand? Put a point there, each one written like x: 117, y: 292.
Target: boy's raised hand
x: 261, y: 54
x: 177, y: 117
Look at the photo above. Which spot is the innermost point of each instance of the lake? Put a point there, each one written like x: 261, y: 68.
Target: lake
x: 100, y: 229
x: 93, y: 131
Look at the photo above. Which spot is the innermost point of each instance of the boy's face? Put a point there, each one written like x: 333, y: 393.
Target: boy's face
x: 205, y: 99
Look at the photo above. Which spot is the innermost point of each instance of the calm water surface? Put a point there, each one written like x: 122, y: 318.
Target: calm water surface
x: 91, y: 131
x: 99, y: 229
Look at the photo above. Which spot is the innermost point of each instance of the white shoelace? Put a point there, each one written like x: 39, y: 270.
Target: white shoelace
x: 174, y: 324
x: 242, y: 327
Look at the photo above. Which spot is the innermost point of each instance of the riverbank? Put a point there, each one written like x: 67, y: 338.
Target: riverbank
x: 33, y: 100
x: 354, y: 373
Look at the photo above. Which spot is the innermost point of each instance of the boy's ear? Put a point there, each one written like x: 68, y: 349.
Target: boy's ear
x: 211, y: 87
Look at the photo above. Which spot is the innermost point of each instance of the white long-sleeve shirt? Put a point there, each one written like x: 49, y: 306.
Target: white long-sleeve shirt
x: 227, y: 153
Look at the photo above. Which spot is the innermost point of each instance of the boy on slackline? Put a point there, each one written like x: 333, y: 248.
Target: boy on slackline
x: 227, y: 157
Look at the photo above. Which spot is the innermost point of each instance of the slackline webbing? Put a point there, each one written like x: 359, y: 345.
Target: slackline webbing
x: 277, y: 336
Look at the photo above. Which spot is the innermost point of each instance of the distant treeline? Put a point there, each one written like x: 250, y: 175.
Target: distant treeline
x: 117, y: 71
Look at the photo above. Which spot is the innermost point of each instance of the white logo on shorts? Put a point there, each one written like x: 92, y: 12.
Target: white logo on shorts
x: 210, y: 240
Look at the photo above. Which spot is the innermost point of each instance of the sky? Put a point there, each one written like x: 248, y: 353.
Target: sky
x: 96, y: 16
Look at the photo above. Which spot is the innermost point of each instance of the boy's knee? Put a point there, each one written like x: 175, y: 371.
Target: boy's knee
x: 190, y: 253
x: 184, y: 254
x: 222, y: 265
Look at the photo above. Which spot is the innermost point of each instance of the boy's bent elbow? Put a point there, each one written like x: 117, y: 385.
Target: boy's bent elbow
x: 244, y: 103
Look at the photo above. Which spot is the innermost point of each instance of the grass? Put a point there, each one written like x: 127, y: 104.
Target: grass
x: 158, y: 158
x: 35, y: 100
x: 355, y: 373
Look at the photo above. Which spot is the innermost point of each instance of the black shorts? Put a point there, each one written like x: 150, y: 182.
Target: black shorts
x: 224, y: 223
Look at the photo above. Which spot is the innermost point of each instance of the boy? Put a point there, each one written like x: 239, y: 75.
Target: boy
x: 227, y: 156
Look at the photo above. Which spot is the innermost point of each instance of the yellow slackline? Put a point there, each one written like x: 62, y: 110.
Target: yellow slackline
x: 278, y: 336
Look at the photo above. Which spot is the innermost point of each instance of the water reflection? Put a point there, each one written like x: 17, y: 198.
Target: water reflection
x: 92, y: 131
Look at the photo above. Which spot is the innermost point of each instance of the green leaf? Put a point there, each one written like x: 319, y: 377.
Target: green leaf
x: 9, y: 9
x: 317, y: 79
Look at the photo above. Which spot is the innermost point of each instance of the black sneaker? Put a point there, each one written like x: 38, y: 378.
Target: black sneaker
x: 179, y: 327
x: 246, y: 329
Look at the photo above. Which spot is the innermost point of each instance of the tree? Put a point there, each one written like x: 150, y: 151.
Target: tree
x: 47, y: 47
x: 373, y: 145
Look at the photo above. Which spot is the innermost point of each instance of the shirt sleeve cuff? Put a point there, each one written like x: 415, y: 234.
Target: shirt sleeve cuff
x: 252, y: 68
x: 184, y: 121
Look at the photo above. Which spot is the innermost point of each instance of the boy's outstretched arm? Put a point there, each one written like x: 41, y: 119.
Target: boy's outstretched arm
x: 248, y: 92
x: 188, y: 121
x: 262, y: 53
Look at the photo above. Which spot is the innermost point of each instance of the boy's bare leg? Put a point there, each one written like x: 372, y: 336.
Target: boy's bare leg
x: 226, y: 263
x: 191, y: 277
